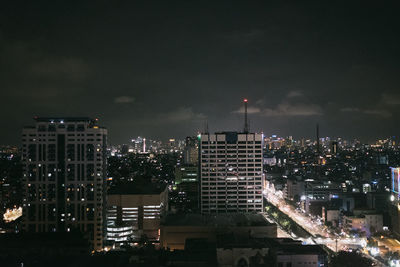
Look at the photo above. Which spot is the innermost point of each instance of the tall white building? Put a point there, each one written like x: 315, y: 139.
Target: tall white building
x: 64, y: 162
x: 231, y: 172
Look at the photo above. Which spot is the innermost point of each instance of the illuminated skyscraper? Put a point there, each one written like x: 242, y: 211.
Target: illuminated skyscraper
x: 231, y: 172
x: 64, y: 161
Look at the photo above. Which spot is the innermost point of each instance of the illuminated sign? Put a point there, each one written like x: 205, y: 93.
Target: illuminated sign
x: 396, y: 181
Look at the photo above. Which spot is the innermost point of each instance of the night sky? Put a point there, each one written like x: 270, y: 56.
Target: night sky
x: 162, y: 68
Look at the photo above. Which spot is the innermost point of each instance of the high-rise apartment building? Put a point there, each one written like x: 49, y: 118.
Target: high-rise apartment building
x: 64, y: 161
x: 231, y: 172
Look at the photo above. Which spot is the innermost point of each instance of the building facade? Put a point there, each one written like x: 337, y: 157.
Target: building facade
x: 294, y: 189
x: 231, y: 172
x: 64, y: 163
x: 134, y: 213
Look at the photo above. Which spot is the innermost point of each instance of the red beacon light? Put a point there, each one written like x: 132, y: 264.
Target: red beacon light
x: 245, y: 100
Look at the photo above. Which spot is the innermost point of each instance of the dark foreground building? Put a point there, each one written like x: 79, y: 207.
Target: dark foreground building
x: 177, y: 228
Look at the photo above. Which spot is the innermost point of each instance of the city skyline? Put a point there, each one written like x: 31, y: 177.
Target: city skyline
x: 199, y: 133
x: 206, y: 129
x: 163, y: 70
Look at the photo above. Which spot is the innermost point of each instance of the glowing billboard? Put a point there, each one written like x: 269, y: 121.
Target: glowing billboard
x: 396, y: 181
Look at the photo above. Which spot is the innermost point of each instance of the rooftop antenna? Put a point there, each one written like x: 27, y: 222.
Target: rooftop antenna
x: 206, y: 127
x: 246, y: 124
x: 249, y: 124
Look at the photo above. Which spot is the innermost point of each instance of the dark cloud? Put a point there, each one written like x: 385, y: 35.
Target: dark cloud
x: 378, y: 112
x: 298, y: 109
x: 250, y: 110
x: 349, y: 109
x: 391, y: 99
x: 161, y: 69
x: 69, y: 68
x: 179, y: 115
x: 294, y: 94
x: 375, y: 112
x: 284, y: 109
x: 123, y: 99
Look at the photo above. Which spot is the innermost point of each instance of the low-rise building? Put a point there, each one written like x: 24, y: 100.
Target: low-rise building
x: 331, y: 216
x: 367, y: 223
x: 294, y: 189
x: 177, y: 228
x: 391, y: 244
x: 233, y: 250
x: 375, y: 222
x: 354, y: 223
x: 134, y: 212
x: 301, y: 255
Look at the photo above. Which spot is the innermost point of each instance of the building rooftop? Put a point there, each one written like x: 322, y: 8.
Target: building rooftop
x: 393, y: 244
x: 283, y: 246
x: 221, y: 220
